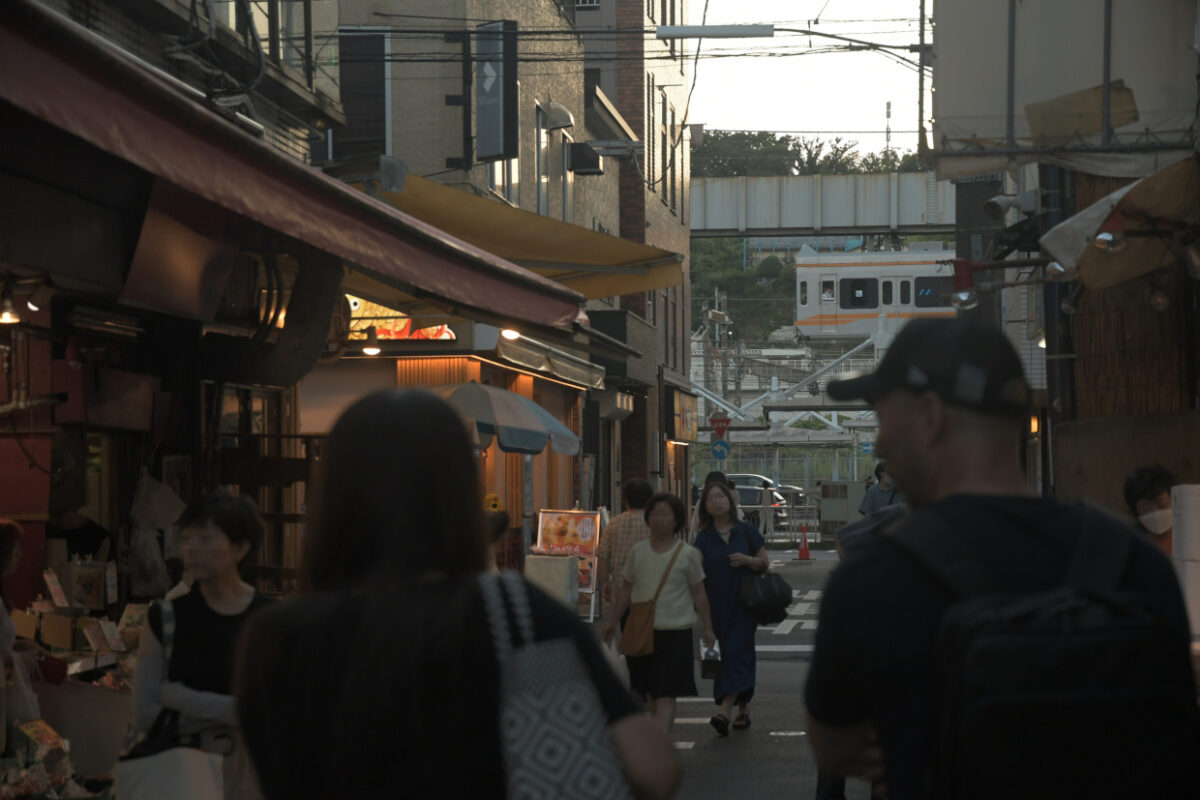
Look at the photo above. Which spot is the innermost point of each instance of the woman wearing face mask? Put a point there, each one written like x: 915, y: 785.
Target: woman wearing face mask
x: 1148, y: 495
x: 218, y: 534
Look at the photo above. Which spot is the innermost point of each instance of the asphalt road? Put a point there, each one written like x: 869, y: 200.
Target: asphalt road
x: 772, y: 759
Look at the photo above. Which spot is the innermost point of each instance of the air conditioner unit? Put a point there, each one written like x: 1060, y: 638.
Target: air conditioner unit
x: 584, y: 160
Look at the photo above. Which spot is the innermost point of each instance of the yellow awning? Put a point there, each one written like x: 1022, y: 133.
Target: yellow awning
x: 592, y: 263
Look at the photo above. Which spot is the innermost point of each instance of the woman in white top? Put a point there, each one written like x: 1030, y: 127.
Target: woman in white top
x: 667, y: 673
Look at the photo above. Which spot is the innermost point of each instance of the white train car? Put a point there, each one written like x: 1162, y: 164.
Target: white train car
x: 841, y: 296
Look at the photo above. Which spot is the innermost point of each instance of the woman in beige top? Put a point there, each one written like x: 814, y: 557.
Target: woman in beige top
x: 668, y: 672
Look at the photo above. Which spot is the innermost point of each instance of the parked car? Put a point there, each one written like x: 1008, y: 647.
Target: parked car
x: 741, y: 479
x: 750, y: 498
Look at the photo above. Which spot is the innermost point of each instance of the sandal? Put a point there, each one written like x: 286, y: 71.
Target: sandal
x: 720, y: 724
x: 742, y: 722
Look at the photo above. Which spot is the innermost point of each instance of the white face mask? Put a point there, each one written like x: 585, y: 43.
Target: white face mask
x: 1158, y: 522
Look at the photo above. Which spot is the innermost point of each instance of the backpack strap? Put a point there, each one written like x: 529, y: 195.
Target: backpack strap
x: 932, y: 543
x: 1100, y: 555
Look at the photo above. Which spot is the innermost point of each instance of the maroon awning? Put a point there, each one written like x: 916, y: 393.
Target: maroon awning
x: 71, y: 78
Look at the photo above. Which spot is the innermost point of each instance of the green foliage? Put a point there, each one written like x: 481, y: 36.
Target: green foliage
x: 725, y: 154
x: 770, y: 268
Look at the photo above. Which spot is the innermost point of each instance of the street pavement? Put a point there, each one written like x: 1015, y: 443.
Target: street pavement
x: 772, y: 759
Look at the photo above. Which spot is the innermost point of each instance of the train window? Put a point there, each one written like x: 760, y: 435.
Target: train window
x: 933, y: 292
x: 826, y: 290
x: 887, y: 293
x: 905, y: 293
x: 860, y: 292
x: 803, y: 293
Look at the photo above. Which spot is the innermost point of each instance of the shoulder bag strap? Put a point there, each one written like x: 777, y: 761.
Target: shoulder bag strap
x: 166, y: 610
x: 663, y: 582
x: 933, y: 544
x: 493, y: 604
x: 514, y: 586
x: 1100, y: 554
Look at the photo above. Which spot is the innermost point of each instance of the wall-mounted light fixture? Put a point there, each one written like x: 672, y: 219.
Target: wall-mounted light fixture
x: 371, y: 345
x: 1041, y: 339
x: 39, y: 298
x: 510, y: 334
x: 1056, y: 272
x: 1070, y: 303
x: 8, y: 314
x: 1034, y: 425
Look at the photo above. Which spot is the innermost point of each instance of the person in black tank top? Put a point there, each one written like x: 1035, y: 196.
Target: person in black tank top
x: 219, y: 534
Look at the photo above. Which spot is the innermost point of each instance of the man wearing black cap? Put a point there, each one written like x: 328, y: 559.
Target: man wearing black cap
x: 952, y: 403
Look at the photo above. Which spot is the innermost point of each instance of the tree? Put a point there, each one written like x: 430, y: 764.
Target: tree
x: 769, y: 269
x: 727, y: 154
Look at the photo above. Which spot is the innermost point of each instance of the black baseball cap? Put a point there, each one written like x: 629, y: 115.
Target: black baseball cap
x: 966, y: 363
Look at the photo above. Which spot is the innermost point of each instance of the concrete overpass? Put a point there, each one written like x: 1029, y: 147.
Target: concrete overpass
x: 810, y: 205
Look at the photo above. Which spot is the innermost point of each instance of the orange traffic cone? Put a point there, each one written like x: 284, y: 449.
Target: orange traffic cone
x: 804, y: 554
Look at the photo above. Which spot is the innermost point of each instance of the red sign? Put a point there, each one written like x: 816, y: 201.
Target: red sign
x: 719, y: 425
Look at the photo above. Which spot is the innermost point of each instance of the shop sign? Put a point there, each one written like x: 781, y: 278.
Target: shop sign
x: 685, y: 419
x: 571, y: 533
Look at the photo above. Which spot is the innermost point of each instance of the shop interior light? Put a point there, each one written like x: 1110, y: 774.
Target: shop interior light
x: 39, y: 298
x: 1041, y: 339
x: 1034, y: 425
x: 510, y: 334
x: 1109, y: 241
x: 1058, y: 273
x: 8, y: 314
x: 964, y: 301
x: 371, y: 345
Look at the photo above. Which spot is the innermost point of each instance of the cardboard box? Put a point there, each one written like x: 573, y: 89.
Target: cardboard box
x: 64, y: 632
x: 27, y: 624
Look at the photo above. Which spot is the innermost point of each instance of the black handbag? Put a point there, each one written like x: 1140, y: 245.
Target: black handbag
x: 766, y: 595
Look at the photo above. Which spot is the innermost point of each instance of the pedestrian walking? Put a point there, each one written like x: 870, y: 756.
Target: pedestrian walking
x: 694, y: 527
x: 218, y: 534
x: 730, y: 550
x: 1051, y: 715
x: 664, y: 570
x: 1147, y: 492
x: 622, y: 533
x: 880, y: 494
x: 382, y: 678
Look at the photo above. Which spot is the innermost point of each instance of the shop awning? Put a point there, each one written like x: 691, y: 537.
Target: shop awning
x: 592, y: 263
x: 1144, y: 218
x: 74, y: 80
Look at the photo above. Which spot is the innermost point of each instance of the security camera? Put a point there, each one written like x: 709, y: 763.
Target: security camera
x: 1028, y: 203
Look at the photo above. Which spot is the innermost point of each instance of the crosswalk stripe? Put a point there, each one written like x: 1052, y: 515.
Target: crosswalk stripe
x: 808, y: 625
x: 691, y: 720
x: 788, y: 733
x: 684, y: 745
x: 799, y: 609
x: 693, y: 700
x: 784, y: 648
x: 785, y: 627
x: 815, y: 594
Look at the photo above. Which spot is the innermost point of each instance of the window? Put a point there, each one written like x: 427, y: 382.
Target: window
x: 568, y: 181
x: 905, y: 293
x: 664, y: 157
x: 672, y: 179
x: 803, y: 293
x: 648, y: 153
x: 887, y: 293
x: 362, y: 71
x: 859, y: 293
x: 543, y: 163
x: 934, y: 292
x: 587, y: 3
x: 650, y: 6
x: 504, y: 177
x: 826, y: 290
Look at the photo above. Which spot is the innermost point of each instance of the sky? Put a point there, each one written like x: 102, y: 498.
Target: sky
x: 740, y: 86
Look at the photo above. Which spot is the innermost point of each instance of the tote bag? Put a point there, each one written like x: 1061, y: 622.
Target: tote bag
x: 164, y: 764
x: 553, y: 728
x: 638, y: 637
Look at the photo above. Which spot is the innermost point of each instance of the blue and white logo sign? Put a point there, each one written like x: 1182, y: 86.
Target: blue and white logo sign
x: 868, y: 448
x: 720, y: 449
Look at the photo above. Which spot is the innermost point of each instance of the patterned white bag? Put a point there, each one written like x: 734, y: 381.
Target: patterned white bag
x: 552, y: 725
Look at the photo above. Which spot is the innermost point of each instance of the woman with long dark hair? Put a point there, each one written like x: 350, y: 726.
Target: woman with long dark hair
x: 381, y: 678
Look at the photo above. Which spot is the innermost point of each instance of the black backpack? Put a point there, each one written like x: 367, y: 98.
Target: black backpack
x: 1074, y: 692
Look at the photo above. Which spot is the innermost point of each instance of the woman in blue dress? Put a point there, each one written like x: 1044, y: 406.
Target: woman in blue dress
x: 730, y: 549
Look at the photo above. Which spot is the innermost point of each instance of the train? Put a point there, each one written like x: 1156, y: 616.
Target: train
x: 844, y: 295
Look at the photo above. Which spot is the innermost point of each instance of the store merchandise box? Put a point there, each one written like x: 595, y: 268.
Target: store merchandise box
x: 557, y: 576
x: 64, y: 632
x: 27, y: 623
